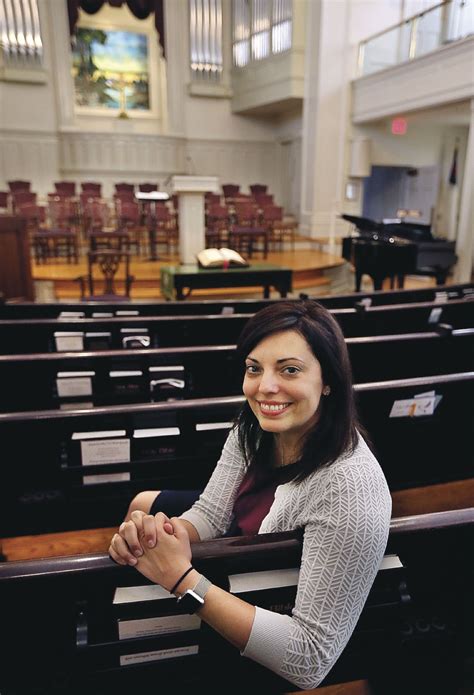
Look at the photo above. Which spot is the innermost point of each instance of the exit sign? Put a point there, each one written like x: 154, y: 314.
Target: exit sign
x: 399, y: 126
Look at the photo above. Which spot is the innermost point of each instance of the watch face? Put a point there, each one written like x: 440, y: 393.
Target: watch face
x: 190, y: 602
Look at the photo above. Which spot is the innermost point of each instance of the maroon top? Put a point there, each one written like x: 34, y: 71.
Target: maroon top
x: 254, y: 498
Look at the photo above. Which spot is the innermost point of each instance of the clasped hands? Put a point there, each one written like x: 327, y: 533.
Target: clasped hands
x: 157, y: 546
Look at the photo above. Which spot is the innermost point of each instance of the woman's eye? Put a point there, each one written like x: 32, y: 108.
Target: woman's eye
x: 291, y: 370
x: 251, y: 369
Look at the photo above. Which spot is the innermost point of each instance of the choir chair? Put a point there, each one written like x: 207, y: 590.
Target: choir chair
x: 108, y: 263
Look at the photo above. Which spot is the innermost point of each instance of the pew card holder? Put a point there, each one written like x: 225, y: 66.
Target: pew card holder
x: 155, y: 443
x: 101, y: 455
x: 98, y: 340
x: 135, y: 338
x: 211, y: 434
x: 167, y: 383
x: 128, y: 386
x: 73, y: 387
x: 69, y: 341
x: 135, y: 625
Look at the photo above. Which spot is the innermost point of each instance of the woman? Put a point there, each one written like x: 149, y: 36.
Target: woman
x: 295, y: 459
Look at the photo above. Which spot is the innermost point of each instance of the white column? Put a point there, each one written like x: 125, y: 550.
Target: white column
x: 465, y: 235
x: 177, y: 63
x: 191, y: 190
x: 325, y: 109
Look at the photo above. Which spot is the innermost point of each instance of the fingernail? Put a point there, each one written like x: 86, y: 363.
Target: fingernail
x: 150, y: 544
x: 138, y: 553
x: 132, y: 561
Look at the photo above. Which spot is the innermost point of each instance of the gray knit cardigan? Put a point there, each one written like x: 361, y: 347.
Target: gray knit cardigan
x: 344, y: 510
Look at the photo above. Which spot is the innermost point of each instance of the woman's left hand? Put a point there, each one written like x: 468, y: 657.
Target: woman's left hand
x: 165, y: 563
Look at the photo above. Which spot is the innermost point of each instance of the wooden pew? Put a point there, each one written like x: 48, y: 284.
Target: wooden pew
x: 31, y: 310
x: 51, y: 335
x: 54, y: 479
x: 111, y: 377
x: 61, y: 613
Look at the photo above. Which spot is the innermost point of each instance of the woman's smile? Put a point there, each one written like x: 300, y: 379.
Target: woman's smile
x: 272, y: 408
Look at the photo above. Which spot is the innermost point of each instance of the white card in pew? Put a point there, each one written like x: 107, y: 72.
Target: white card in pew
x: 71, y: 315
x: 127, y: 313
x: 74, y: 384
x: 158, y: 625
x: 137, y: 594
x: 106, y: 478
x: 158, y: 655
x: 156, y: 432
x: 413, y: 407
x: 210, y: 426
x: 390, y: 562
x: 69, y: 341
x: 167, y: 368
x: 259, y: 581
x: 99, y: 451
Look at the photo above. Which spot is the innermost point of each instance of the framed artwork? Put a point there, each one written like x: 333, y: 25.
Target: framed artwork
x: 111, y: 71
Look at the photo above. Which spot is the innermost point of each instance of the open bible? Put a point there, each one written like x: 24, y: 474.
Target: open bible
x: 220, y: 258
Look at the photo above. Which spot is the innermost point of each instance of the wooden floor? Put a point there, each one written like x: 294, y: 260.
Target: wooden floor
x: 308, y: 271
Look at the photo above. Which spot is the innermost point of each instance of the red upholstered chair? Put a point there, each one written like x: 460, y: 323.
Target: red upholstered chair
x: 147, y: 187
x: 272, y: 219
x: 23, y: 198
x: 15, y: 186
x: 124, y: 188
x: 63, y: 212
x: 107, y: 263
x: 257, y: 188
x: 129, y: 220
x: 92, y: 188
x: 67, y: 188
x: 95, y: 214
x: 4, y: 199
x: 230, y: 190
x: 217, y: 226
x: 264, y: 199
x: 212, y: 199
x: 166, y: 231
x: 246, y: 214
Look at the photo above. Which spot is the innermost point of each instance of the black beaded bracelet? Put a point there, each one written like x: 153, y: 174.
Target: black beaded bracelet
x: 173, y: 589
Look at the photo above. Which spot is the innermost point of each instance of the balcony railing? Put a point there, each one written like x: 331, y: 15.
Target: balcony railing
x: 425, y: 32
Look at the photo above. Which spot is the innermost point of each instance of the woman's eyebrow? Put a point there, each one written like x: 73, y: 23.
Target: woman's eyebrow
x: 282, y: 359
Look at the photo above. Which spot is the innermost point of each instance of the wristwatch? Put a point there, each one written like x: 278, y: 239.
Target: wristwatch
x: 193, y: 599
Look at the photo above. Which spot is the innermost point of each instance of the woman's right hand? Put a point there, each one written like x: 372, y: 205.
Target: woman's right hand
x: 126, y: 545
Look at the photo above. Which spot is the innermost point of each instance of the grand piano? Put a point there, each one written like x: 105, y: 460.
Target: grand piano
x: 395, y: 249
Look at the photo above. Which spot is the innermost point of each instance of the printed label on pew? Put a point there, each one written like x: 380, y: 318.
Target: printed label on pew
x: 422, y: 404
x: 102, y: 314
x: 127, y: 313
x: 142, y: 657
x: 435, y: 315
x: 163, y: 625
x: 106, y: 478
x: 69, y: 341
x: 258, y: 581
x: 167, y: 368
x: 102, y: 451
x: 74, y: 383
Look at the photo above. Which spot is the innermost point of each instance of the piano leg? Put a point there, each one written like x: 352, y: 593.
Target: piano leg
x: 358, y: 279
x: 401, y: 280
x: 441, y: 277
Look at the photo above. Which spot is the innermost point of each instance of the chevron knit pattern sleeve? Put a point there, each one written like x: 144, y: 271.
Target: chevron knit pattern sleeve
x: 346, y: 531
x: 212, y: 513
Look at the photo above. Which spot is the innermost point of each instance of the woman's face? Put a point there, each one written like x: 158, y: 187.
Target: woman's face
x: 283, y: 384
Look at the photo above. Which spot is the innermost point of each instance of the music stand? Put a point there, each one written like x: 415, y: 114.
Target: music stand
x: 152, y: 197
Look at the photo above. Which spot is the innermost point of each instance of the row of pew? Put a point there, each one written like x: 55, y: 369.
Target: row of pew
x: 28, y: 336
x: 84, y: 429
x: 83, y: 625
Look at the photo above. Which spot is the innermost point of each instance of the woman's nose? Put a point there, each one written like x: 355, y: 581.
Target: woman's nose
x: 268, y: 383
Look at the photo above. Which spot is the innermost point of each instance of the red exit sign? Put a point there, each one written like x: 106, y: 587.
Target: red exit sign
x: 399, y: 126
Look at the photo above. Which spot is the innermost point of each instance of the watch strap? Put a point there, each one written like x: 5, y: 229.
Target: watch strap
x: 202, y: 587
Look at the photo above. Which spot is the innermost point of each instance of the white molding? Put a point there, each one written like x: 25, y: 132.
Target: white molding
x: 31, y: 156
x: 436, y: 78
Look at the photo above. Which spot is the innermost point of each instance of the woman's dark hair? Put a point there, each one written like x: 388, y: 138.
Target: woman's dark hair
x: 336, y: 429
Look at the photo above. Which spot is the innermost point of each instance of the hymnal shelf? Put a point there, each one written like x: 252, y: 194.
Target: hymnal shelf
x: 220, y: 258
